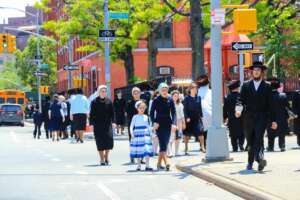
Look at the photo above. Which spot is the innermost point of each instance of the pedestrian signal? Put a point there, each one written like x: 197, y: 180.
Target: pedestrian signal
x: 44, y: 89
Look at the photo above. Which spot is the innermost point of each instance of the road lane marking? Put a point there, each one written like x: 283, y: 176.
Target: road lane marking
x: 81, y: 173
x: 68, y: 166
x: 55, y: 159
x: 108, y: 192
x: 14, y: 137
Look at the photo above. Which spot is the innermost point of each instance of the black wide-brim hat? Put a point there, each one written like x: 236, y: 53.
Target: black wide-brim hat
x: 258, y: 65
x: 234, y: 84
x: 274, y: 82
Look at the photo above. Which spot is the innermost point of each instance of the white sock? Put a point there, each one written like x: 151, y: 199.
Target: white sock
x: 147, y: 162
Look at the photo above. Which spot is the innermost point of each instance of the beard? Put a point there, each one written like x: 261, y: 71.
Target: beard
x: 257, y: 78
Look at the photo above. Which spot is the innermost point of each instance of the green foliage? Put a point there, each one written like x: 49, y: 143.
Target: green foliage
x: 25, y: 66
x: 136, y: 79
x: 9, y: 78
x: 279, y: 31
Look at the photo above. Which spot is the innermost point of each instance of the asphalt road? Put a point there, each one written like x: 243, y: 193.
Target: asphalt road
x: 42, y: 169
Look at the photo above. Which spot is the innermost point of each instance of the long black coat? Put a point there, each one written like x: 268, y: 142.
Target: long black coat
x: 101, y: 117
x: 235, y: 125
x: 119, y: 108
x: 296, y: 110
x: 281, y: 104
x: 258, y: 107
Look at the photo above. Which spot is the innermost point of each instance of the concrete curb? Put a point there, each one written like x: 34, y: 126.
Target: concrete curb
x: 242, y: 190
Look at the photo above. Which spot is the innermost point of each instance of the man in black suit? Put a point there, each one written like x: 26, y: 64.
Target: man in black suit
x: 256, y: 103
x: 296, y: 110
x: 235, y: 125
x: 281, y: 104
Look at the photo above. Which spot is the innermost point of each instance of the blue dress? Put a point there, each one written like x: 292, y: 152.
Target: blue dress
x: 141, y: 143
x: 163, y: 112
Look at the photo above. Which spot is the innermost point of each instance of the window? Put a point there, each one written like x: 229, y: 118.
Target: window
x: 2, y: 100
x: 164, y: 36
x: 20, y: 101
x: 94, y: 79
x: 11, y: 108
x: 11, y: 100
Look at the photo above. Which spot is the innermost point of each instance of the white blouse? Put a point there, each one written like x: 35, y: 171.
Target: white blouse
x: 179, y: 111
x: 139, y: 120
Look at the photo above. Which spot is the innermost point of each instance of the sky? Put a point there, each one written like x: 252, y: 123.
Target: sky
x: 20, y: 4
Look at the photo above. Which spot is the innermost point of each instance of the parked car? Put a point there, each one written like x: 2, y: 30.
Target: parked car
x: 11, y: 113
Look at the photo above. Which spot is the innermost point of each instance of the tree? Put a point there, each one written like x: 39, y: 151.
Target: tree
x: 9, y: 78
x: 279, y: 31
x: 26, y: 67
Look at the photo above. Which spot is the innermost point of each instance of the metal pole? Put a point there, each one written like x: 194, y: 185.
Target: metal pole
x: 241, y: 63
x: 38, y: 61
x: 217, y: 141
x: 70, y: 57
x: 107, y: 49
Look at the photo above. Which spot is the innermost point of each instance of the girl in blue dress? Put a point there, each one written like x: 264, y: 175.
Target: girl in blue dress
x: 141, y: 139
x: 163, y: 116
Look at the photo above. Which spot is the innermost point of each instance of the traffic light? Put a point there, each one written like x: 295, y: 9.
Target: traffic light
x: 1, y: 44
x: 11, y: 44
x: 44, y: 89
x: 245, y: 21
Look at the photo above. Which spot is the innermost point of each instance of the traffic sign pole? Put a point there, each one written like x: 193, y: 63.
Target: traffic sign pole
x: 107, y: 50
x: 241, y: 63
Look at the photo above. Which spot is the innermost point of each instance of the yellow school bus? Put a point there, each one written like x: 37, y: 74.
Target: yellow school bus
x: 13, y: 97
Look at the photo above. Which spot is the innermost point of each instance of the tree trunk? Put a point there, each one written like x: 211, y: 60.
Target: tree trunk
x: 152, y: 54
x: 197, y: 39
x: 128, y: 59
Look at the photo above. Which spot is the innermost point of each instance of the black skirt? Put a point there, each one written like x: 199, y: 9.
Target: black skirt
x: 79, y: 121
x: 104, y: 138
x: 194, y: 128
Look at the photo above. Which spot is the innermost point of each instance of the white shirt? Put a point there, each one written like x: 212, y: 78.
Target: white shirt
x: 256, y: 84
x: 139, y: 120
x: 179, y: 111
x: 206, y: 103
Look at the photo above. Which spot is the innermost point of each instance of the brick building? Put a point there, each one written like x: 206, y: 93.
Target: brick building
x: 174, y: 51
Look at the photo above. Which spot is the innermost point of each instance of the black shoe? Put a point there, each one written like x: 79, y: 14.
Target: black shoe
x: 282, y: 149
x: 159, y: 167
x: 77, y: 140
x: 107, y: 162
x: 143, y: 162
x: 270, y: 149
x: 167, y: 167
x: 235, y: 150
x: 132, y: 160
x: 262, y: 164
x: 138, y: 169
x: 81, y: 141
x: 148, y: 169
x: 242, y: 148
x: 250, y: 166
x: 102, y: 163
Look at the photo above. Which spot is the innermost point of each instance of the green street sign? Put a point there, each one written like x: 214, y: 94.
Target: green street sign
x: 118, y: 15
x: 44, y: 66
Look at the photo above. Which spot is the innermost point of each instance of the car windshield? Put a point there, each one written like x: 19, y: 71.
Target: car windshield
x: 11, y: 107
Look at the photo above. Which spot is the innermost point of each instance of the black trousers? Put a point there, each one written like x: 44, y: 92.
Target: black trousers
x: 272, y: 134
x: 255, y: 125
x: 46, y: 128
x: 37, y: 130
x: 237, y: 141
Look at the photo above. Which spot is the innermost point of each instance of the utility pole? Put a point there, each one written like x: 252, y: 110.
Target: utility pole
x: 217, y: 141
x: 38, y: 61
x: 107, y: 49
x: 70, y: 57
x: 241, y: 63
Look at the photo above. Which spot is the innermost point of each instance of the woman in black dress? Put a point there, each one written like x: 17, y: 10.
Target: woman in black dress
x: 102, y: 118
x: 193, y: 114
x: 119, y: 107
x: 163, y: 116
x: 56, y: 118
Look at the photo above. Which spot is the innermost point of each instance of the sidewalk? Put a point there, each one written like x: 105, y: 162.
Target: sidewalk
x: 280, y: 179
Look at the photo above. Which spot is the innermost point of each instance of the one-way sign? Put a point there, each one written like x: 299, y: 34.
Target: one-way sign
x: 38, y: 73
x: 242, y: 46
x: 107, y: 35
x: 71, y: 67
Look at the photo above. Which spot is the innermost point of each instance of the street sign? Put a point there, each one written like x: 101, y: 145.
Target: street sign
x: 118, y: 15
x: 218, y: 16
x: 242, y: 46
x: 44, y: 89
x: 107, y: 35
x: 40, y: 57
x: 71, y: 67
x: 44, y: 66
x: 37, y: 73
x: 244, y: 21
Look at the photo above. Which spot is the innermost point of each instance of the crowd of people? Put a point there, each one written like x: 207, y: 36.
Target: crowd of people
x: 158, y: 125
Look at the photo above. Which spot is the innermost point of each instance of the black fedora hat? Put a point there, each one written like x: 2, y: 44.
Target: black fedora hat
x: 234, y: 84
x: 274, y: 82
x: 258, y: 64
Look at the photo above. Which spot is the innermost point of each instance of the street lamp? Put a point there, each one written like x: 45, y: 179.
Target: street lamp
x: 38, y: 48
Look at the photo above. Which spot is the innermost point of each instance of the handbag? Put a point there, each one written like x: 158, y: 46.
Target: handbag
x: 291, y: 114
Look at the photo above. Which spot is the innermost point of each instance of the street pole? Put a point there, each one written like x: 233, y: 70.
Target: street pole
x: 107, y: 49
x: 70, y: 57
x: 217, y: 141
x: 241, y: 63
x: 38, y: 61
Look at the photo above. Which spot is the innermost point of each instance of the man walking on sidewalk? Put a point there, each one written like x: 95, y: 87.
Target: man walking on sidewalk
x: 257, y: 106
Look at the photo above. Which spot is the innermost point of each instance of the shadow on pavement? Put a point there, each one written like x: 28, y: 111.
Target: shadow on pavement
x: 181, y: 175
x: 95, y: 165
